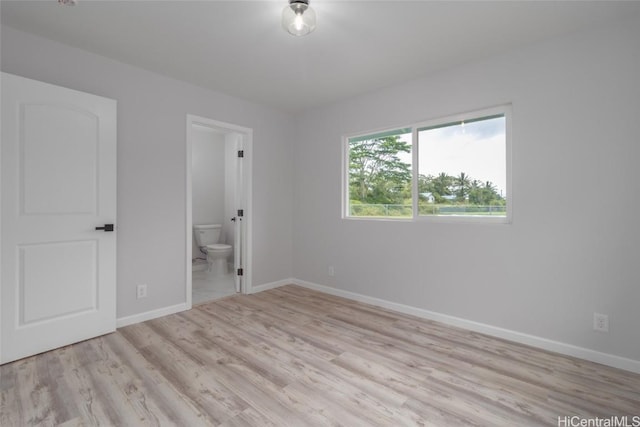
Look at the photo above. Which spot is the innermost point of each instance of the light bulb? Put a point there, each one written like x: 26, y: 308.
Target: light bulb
x: 298, y: 22
x: 298, y: 18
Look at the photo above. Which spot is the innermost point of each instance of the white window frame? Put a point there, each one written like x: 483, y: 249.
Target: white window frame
x: 505, y: 110
x: 345, y: 175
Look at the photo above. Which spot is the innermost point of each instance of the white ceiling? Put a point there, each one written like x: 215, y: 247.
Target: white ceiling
x: 239, y: 47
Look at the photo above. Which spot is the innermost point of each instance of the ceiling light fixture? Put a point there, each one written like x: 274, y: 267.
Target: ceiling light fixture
x: 298, y: 18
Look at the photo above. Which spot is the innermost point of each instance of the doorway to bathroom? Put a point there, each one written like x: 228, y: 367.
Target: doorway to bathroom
x: 218, y: 214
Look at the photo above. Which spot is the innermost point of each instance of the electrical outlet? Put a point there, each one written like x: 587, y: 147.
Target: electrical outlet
x: 600, y: 322
x: 331, y: 271
x: 141, y: 291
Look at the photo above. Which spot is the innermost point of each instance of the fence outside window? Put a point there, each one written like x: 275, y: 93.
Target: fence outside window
x: 397, y: 210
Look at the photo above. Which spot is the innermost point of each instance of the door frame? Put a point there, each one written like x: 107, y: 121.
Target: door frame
x: 247, y: 167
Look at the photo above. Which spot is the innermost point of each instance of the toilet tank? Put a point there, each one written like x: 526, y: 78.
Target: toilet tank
x: 207, y: 234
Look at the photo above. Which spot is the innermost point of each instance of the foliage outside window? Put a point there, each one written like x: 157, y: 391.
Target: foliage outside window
x: 380, y: 175
x: 455, y: 167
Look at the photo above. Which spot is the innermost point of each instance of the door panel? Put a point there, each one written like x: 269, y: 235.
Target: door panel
x: 54, y: 138
x: 73, y: 265
x: 58, y: 180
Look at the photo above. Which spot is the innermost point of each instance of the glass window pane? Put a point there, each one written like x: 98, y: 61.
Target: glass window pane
x: 380, y: 175
x: 462, y: 168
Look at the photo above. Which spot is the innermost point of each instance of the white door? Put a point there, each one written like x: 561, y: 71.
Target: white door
x: 58, y: 180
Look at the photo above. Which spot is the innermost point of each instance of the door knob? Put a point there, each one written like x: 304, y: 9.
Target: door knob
x: 233, y: 219
x: 107, y: 227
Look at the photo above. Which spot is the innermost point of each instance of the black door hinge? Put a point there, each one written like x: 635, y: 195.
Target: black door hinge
x: 240, y: 153
x: 240, y: 212
x: 240, y: 272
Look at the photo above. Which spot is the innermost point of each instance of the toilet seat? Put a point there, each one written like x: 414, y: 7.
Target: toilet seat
x: 218, y: 247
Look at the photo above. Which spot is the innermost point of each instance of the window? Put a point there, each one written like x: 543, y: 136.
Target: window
x: 380, y: 175
x: 455, y: 167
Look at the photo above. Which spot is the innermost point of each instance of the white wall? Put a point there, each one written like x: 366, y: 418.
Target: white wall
x: 152, y: 112
x: 572, y: 248
x: 208, y: 177
x: 208, y: 174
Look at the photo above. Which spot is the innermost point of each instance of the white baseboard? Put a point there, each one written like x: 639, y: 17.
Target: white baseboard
x: 153, y: 314
x: 271, y: 285
x: 148, y: 315
x: 519, y: 337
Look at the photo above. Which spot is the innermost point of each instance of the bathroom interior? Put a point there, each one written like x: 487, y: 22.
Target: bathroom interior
x: 214, y: 183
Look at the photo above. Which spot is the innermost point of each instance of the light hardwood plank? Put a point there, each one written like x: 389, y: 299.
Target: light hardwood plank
x: 295, y: 357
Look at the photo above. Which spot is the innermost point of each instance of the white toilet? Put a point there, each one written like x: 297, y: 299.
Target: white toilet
x: 207, y: 237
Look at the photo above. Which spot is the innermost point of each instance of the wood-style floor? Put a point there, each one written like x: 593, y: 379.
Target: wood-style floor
x: 295, y: 357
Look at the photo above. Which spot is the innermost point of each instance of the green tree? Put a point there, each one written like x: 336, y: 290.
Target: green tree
x: 492, y: 196
x: 462, y: 185
x: 425, y: 186
x: 376, y: 172
x: 484, y: 194
x: 437, y: 186
x: 442, y: 187
x: 475, y: 192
